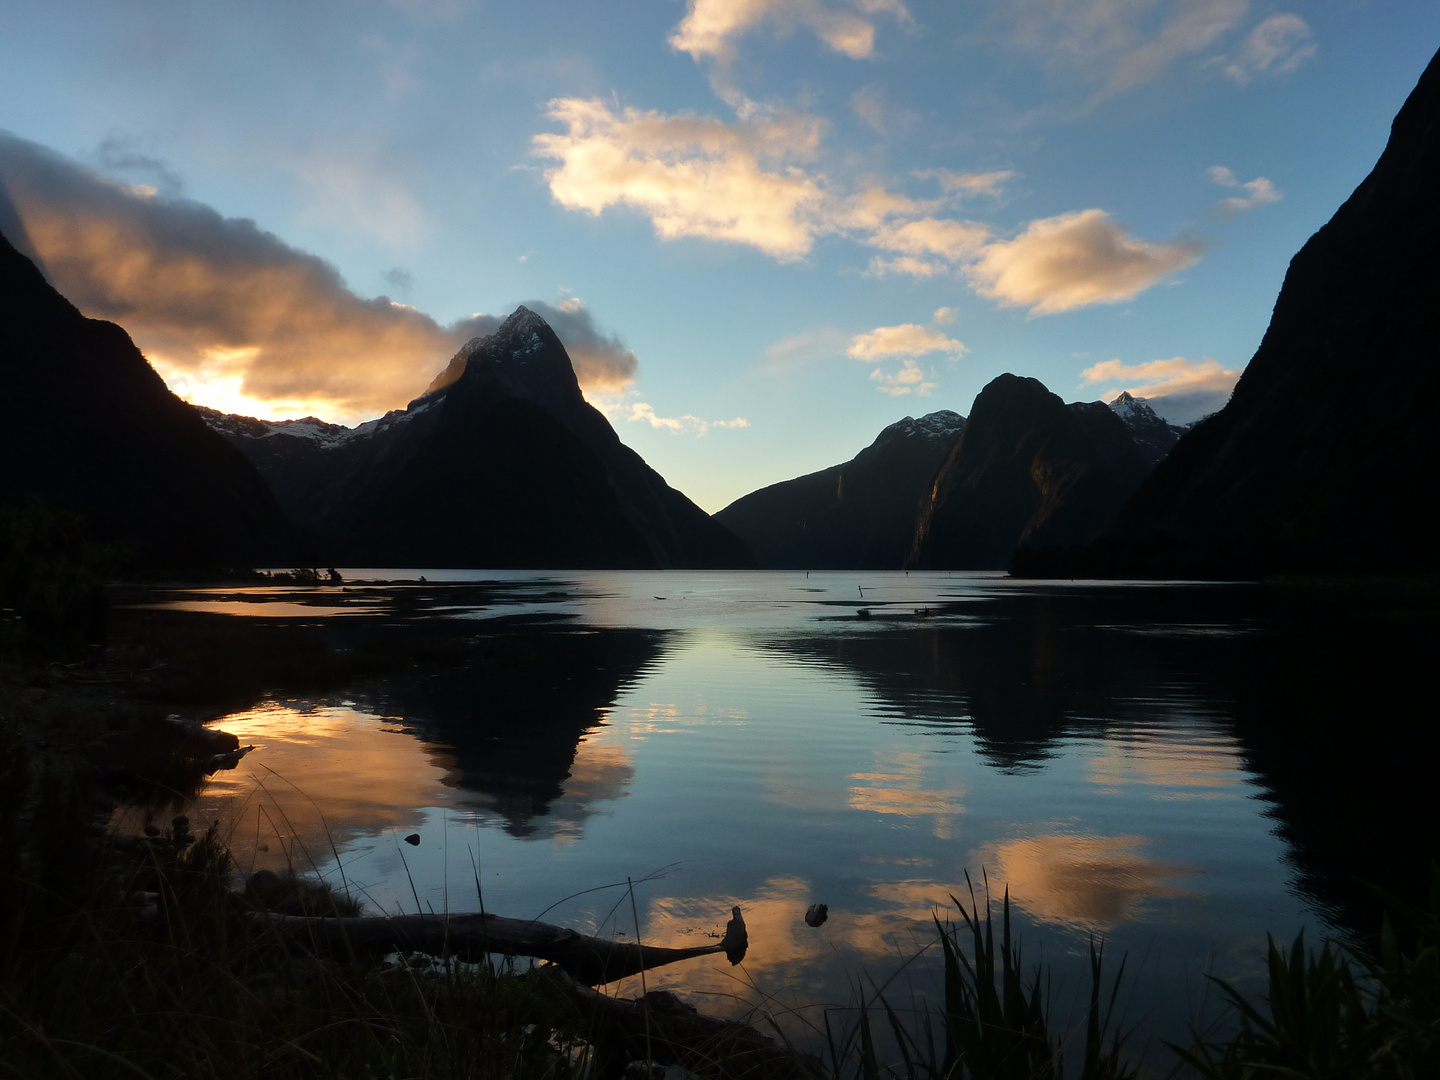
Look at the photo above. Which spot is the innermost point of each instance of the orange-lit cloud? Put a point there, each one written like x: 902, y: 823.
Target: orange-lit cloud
x: 692, y: 175
x: 231, y: 315
x: 1073, y: 260
x: 744, y: 183
x: 907, y: 339
x: 1162, y: 378
x: 1087, y: 882
x: 905, y: 342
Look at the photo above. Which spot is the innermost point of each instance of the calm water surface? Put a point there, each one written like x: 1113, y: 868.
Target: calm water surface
x: 1157, y: 766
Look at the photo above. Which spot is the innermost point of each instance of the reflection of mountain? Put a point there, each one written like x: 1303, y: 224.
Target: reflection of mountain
x: 513, y: 722
x: 1034, y: 669
x: 1317, y: 688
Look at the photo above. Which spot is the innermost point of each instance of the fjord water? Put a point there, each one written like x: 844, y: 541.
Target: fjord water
x: 1177, y: 769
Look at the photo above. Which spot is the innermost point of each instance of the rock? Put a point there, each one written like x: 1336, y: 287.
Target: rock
x: 816, y: 914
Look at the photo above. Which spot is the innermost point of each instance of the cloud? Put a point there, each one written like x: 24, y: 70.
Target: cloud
x: 1117, y: 44
x: 1073, y: 260
x: 740, y: 183
x: 711, y: 28
x: 954, y: 241
x: 1259, y: 192
x: 907, y: 342
x: 692, y: 175
x: 1162, y: 378
x: 642, y: 412
x: 908, y: 380
x: 234, y: 315
x: 907, y: 339
x: 801, y: 350
x: 944, y: 316
x: 870, y: 105
x: 965, y: 183
x: 399, y: 279
x: 1281, y: 44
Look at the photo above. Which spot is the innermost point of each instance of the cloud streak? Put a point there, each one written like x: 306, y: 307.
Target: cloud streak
x: 642, y: 412
x: 711, y: 29
x: 1258, y: 192
x: 1163, y: 378
x: 230, y: 313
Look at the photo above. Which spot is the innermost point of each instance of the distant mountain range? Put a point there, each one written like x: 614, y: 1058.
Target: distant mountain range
x: 1319, y: 461
x: 944, y: 492
x: 501, y: 463
x: 859, y: 515
x: 1316, y: 464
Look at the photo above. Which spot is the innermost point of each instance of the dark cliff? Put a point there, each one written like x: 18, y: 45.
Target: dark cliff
x: 89, y: 426
x: 1318, y: 461
x: 1027, y: 470
x: 502, y: 463
x: 856, y: 516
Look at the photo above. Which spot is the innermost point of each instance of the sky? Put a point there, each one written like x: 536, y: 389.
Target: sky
x: 764, y: 229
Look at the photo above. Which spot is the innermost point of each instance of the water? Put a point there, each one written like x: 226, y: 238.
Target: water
x: 1176, y: 770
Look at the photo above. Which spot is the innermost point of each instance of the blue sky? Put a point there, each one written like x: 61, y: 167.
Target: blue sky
x: 765, y: 228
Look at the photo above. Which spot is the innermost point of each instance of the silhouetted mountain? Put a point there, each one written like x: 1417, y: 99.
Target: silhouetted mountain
x: 1319, y: 459
x: 1154, y: 437
x: 501, y: 463
x: 855, y: 516
x: 1027, y: 469
x: 91, y: 427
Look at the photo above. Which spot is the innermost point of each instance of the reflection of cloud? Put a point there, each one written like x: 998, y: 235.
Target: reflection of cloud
x: 602, y: 772
x: 897, y: 787
x: 1087, y: 882
x: 368, y: 777
x: 1192, y: 767
x: 1073, y: 260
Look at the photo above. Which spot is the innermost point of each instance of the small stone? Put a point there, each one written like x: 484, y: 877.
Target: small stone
x: 413, y: 839
x: 816, y: 914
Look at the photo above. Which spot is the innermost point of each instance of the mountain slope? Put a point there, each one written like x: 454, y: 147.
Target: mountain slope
x: 90, y: 426
x: 1154, y: 436
x: 859, y: 515
x: 1027, y: 469
x: 1318, y: 461
x: 502, y: 463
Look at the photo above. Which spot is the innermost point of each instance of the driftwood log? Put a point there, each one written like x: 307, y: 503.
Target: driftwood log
x: 665, y: 1030
x: 588, y: 960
